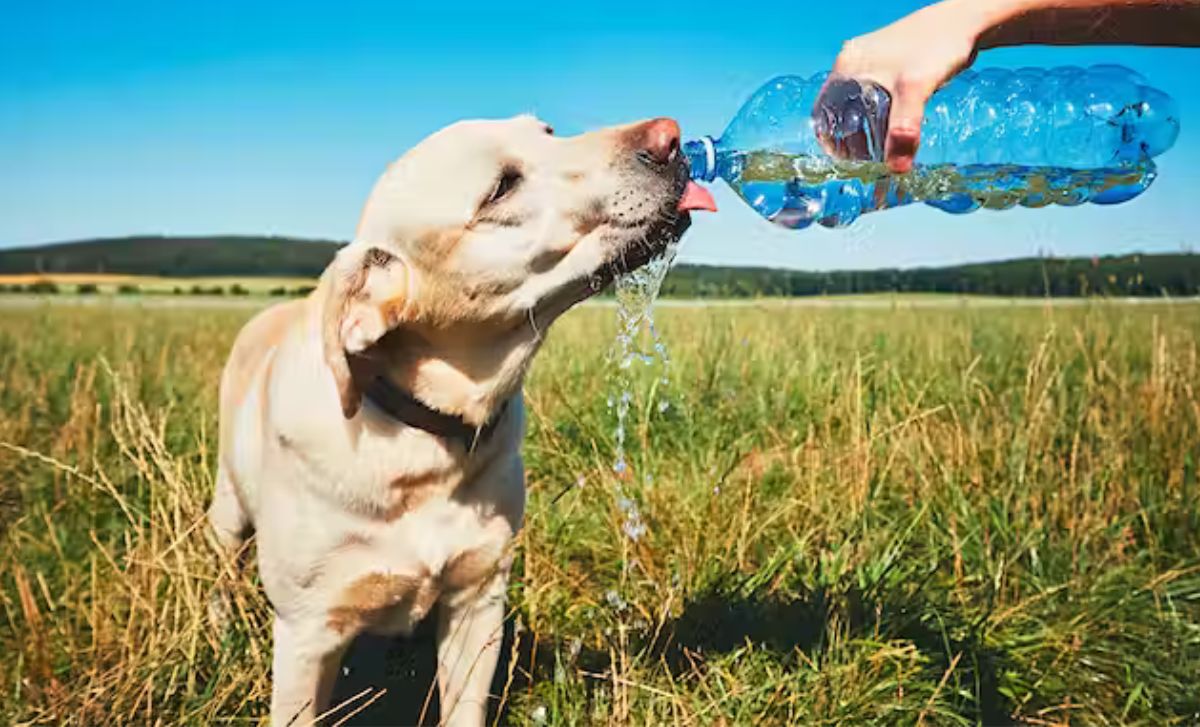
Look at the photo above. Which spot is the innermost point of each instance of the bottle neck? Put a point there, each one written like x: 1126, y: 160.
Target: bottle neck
x: 702, y: 158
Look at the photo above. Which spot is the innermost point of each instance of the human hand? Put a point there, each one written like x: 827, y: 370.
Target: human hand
x: 911, y: 58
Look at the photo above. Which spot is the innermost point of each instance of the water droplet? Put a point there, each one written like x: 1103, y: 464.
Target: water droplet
x: 634, y: 530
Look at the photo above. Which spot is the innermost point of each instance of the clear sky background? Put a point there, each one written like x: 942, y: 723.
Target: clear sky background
x: 275, y: 117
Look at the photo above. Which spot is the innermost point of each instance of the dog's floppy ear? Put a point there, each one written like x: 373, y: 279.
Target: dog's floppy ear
x: 366, y: 292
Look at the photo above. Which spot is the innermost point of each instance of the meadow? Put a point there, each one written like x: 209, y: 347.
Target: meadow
x: 887, y: 515
x: 109, y: 283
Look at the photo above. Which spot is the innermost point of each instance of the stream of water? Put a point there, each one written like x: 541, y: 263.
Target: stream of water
x: 636, y: 292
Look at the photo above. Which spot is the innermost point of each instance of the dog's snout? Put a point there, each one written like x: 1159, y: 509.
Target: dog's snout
x: 658, y: 139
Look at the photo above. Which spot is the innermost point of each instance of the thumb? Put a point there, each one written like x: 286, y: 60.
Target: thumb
x: 904, y: 125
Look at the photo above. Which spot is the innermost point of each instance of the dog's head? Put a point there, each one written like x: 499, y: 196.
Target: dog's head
x: 486, y: 226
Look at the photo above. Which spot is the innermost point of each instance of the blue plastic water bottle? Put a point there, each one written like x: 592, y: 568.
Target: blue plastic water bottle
x: 803, y: 150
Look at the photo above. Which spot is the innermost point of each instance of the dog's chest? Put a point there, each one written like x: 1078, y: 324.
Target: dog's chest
x: 387, y: 576
x: 394, y: 520
x: 383, y: 473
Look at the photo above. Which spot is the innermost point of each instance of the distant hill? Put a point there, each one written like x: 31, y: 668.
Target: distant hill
x: 1136, y: 275
x: 184, y: 257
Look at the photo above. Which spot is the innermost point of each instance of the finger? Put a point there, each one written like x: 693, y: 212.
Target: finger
x: 904, y: 125
x: 901, y: 149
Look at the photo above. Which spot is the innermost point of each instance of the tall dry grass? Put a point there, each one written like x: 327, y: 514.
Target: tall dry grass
x: 892, y: 516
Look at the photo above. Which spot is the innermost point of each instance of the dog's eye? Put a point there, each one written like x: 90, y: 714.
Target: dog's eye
x: 508, y: 181
x: 549, y: 130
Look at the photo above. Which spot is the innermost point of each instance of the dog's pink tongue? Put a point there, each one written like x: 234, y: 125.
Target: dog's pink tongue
x: 696, y: 197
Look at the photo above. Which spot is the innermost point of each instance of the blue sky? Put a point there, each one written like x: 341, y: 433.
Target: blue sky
x: 275, y: 117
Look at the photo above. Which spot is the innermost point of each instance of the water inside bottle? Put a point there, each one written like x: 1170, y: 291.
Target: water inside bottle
x: 795, y: 190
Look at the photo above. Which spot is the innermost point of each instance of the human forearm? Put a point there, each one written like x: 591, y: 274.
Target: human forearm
x: 913, y: 56
x: 1086, y: 22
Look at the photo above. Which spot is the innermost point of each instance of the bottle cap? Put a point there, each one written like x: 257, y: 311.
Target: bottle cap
x: 851, y: 118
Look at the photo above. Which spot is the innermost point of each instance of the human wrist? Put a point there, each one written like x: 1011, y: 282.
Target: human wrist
x: 976, y: 18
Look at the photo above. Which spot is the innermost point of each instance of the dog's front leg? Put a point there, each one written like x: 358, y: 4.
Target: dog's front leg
x: 470, y: 627
x: 304, y: 669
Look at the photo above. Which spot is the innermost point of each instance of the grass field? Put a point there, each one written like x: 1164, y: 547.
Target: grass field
x: 897, y: 516
x: 112, y: 283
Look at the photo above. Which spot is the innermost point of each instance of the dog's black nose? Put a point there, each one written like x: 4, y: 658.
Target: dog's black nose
x: 657, y: 138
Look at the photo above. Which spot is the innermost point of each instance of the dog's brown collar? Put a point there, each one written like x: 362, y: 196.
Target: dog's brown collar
x: 407, y: 409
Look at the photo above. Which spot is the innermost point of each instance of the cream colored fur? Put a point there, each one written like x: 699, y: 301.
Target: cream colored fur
x: 363, y: 522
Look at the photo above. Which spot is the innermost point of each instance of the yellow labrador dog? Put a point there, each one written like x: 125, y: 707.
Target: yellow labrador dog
x: 370, y: 433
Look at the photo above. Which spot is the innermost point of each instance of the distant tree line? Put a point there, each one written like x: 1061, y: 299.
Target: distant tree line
x: 49, y: 287
x: 1128, y: 275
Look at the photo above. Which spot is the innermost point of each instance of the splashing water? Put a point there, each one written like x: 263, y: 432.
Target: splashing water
x: 636, y: 292
x: 633, y: 527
